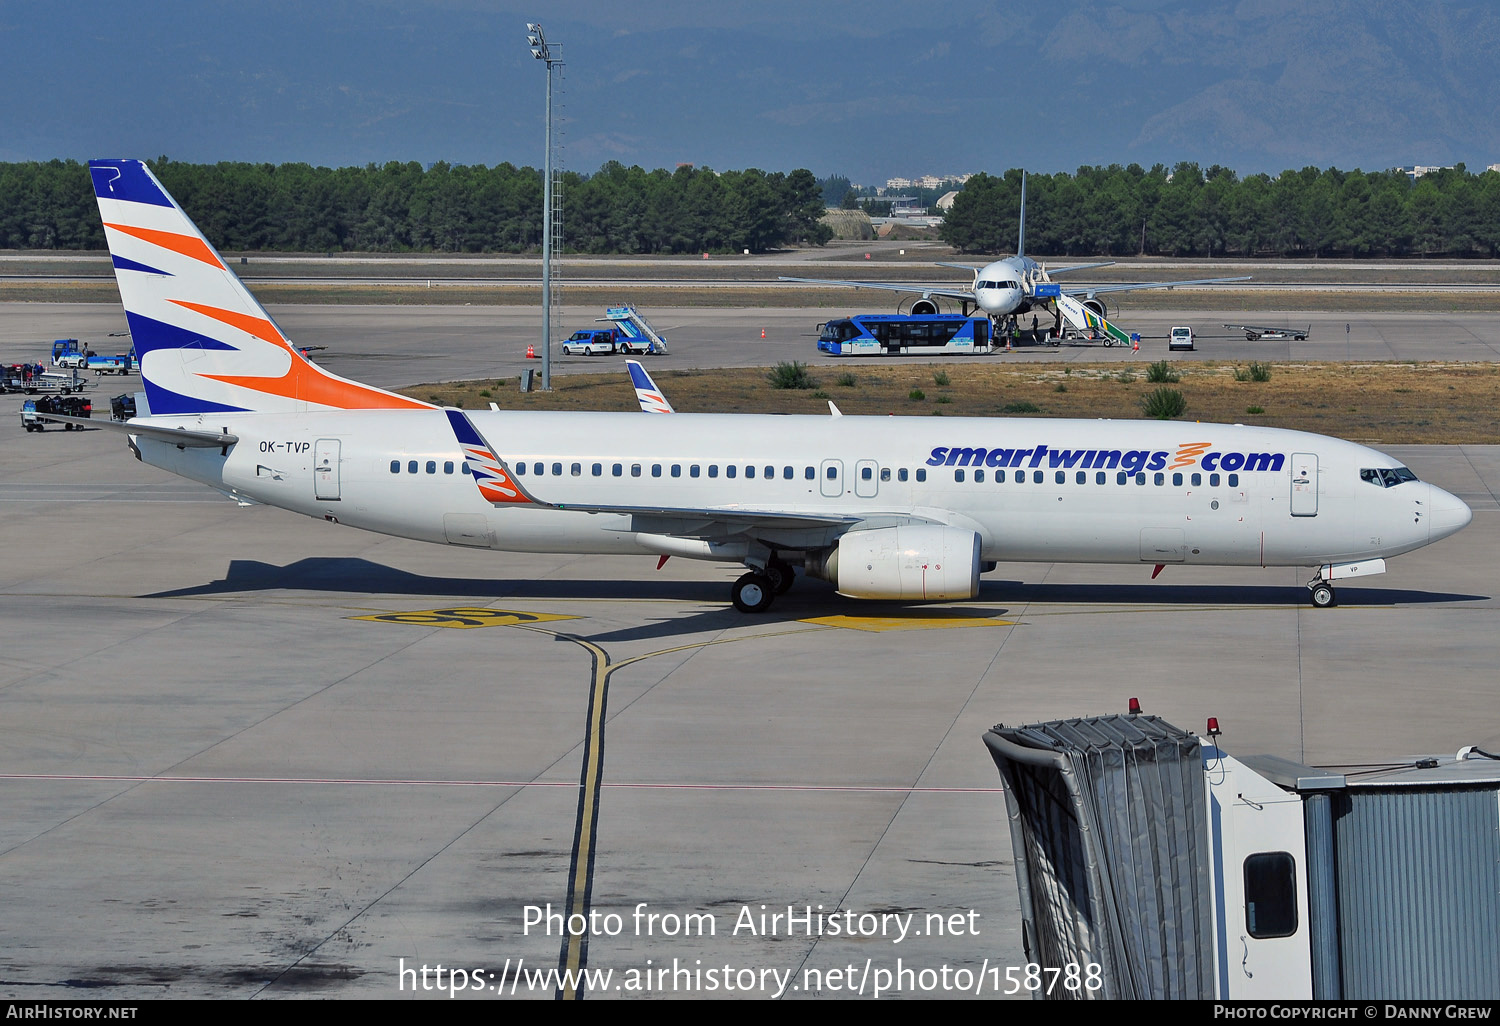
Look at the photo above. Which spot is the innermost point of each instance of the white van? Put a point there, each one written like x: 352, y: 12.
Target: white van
x: 1181, y: 338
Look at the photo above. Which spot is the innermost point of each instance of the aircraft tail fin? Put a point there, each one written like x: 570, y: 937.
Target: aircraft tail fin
x: 650, y: 397
x: 205, y: 344
x: 1021, y: 236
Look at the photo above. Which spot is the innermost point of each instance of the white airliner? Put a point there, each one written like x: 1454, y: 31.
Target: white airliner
x: 901, y: 508
x: 1014, y: 285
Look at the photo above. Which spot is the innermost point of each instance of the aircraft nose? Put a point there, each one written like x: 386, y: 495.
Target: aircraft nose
x: 1446, y: 513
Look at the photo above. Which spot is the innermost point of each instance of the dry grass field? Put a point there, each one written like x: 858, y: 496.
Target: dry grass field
x: 1385, y: 403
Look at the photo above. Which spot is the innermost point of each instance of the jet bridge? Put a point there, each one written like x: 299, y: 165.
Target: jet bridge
x: 1153, y: 864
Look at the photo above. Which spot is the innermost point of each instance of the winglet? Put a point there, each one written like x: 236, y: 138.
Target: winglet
x: 491, y: 475
x: 650, y: 397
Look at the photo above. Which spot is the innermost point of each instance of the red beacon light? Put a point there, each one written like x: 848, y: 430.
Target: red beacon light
x: 1135, y: 707
x: 1213, y: 726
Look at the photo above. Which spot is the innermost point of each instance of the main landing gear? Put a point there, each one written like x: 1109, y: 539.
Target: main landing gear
x: 754, y: 592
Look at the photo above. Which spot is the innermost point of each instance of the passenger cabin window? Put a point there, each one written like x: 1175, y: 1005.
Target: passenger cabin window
x: 411, y: 467
x: 447, y: 466
x: 395, y: 466
x: 1271, y: 894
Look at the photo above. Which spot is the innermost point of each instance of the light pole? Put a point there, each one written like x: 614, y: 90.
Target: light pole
x: 542, y: 52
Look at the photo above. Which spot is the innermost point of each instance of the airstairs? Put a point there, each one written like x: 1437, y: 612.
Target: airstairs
x: 1090, y: 324
x: 636, y: 327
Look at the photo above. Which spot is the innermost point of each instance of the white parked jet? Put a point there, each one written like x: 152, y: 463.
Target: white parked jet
x: 884, y: 507
x: 1014, y: 285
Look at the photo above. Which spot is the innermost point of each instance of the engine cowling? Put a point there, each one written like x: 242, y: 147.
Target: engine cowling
x: 1097, y: 305
x: 914, y: 562
x: 924, y: 307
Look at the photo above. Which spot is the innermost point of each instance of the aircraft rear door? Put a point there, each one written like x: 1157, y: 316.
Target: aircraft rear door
x: 326, y: 469
x: 1304, y: 484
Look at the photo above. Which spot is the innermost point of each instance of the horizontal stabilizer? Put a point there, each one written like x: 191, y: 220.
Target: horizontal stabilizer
x: 183, y: 438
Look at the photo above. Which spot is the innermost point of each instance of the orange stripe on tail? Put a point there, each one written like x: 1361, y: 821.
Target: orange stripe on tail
x: 187, y: 245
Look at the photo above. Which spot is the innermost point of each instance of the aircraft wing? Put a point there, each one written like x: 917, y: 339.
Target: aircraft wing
x: 1080, y: 267
x: 1096, y: 289
x: 967, y: 295
x: 714, y: 521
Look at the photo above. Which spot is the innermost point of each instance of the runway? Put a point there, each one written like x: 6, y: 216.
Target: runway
x: 247, y: 754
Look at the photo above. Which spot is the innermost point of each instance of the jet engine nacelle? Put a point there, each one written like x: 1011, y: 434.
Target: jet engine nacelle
x: 1097, y: 305
x: 924, y: 307
x: 914, y: 562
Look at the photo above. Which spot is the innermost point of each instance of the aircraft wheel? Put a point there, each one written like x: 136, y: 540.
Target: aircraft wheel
x: 753, y: 593
x: 781, y: 575
x: 1322, y: 595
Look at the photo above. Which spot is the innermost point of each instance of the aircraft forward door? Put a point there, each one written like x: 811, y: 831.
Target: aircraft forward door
x: 1304, y: 484
x: 326, y: 469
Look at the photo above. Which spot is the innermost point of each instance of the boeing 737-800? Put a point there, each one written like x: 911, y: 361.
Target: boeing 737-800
x: 883, y: 507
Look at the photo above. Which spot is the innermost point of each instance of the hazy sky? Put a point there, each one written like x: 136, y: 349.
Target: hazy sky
x: 869, y: 89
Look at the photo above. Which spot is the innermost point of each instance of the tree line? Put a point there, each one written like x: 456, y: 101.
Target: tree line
x: 1123, y: 211
x: 444, y: 208
x: 1111, y: 211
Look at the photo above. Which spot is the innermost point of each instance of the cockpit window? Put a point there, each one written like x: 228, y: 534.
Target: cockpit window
x: 1386, y: 477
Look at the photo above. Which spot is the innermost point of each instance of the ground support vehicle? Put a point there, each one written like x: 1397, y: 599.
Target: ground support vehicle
x: 68, y: 406
x: 634, y: 335
x: 591, y: 342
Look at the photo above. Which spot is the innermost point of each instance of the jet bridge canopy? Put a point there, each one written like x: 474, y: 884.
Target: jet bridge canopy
x: 1108, y: 825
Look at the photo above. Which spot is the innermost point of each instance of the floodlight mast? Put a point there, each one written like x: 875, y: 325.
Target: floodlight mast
x: 537, y: 40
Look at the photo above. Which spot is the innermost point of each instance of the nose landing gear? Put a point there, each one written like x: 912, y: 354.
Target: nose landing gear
x: 1322, y: 593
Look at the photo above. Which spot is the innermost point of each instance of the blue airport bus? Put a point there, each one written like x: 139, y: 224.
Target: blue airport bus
x: 918, y: 335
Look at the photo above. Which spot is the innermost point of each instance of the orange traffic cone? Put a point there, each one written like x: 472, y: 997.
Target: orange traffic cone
x: 762, y: 332
x: 531, y: 352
